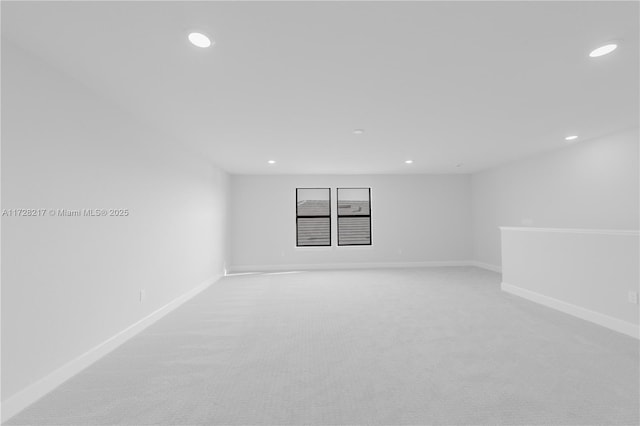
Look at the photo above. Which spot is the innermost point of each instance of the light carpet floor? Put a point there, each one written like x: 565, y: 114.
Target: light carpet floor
x: 393, y: 347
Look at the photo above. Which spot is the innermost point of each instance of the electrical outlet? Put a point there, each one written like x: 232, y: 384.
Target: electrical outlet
x: 633, y: 297
x: 143, y: 295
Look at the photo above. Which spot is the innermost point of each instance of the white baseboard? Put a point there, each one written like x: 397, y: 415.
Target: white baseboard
x: 244, y: 269
x: 612, y: 323
x: 487, y: 266
x: 37, y: 390
x: 342, y: 266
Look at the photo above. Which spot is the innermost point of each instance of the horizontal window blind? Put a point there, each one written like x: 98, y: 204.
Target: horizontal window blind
x: 354, y: 231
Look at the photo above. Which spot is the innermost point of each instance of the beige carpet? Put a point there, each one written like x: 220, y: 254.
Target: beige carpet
x: 394, y: 347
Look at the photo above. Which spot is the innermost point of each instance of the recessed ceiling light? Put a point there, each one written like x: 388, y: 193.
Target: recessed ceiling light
x: 603, y: 50
x: 358, y: 131
x: 199, y: 39
x: 271, y: 161
x: 408, y: 161
x: 571, y: 138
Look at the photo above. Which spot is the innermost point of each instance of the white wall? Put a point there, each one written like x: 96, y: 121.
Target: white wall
x: 591, y: 184
x: 415, y: 218
x: 70, y: 283
x: 583, y: 272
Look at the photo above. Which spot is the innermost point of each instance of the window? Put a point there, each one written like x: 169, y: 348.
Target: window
x: 354, y: 216
x: 313, y: 217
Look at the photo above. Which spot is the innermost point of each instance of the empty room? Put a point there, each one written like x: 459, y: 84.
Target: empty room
x: 320, y: 213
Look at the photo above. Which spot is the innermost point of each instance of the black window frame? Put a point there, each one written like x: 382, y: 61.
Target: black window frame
x: 353, y: 215
x: 314, y: 216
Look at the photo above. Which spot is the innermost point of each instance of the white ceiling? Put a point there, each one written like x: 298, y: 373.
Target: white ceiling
x: 479, y: 83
